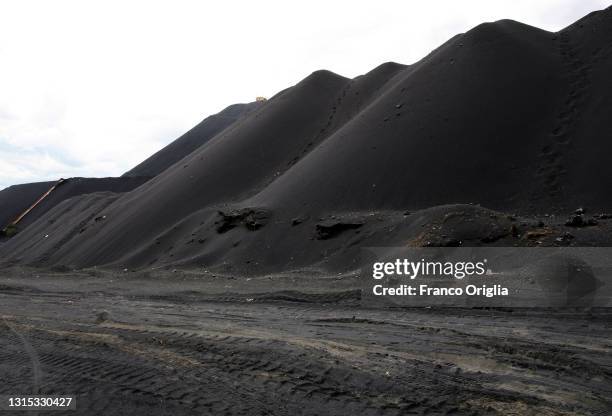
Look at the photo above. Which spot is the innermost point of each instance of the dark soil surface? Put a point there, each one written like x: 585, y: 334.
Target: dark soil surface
x: 155, y: 345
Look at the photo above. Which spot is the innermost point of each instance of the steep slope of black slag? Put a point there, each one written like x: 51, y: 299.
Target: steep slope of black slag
x: 505, y: 116
x: 194, y: 138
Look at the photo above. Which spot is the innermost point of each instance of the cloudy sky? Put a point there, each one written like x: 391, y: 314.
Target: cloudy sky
x: 92, y: 88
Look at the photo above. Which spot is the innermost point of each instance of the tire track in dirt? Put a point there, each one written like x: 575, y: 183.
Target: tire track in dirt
x: 37, y: 374
x: 309, y: 358
x: 263, y: 370
x: 119, y: 370
x: 307, y: 378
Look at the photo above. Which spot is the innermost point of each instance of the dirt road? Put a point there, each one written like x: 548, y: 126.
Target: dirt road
x: 133, y: 346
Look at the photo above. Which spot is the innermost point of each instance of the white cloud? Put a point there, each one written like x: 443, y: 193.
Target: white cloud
x: 92, y: 88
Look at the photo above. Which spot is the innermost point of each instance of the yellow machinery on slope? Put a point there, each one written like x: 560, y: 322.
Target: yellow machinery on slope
x: 11, y: 228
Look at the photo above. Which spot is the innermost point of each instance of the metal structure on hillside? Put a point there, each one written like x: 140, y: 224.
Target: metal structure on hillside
x: 13, y: 224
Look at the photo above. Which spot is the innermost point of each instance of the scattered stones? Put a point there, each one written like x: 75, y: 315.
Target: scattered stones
x: 331, y: 229
x: 565, y: 238
x: 536, y: 234
x: 514, y: 231
x: 455, y: 370
x: 251, y: 218
x: 102, y: 317
x: 579, y: 220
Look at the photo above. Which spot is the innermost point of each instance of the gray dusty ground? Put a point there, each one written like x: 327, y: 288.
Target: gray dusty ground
x: 156, y: 345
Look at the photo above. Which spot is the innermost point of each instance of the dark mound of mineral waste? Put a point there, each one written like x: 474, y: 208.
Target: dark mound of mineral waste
x: 494, y: 138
